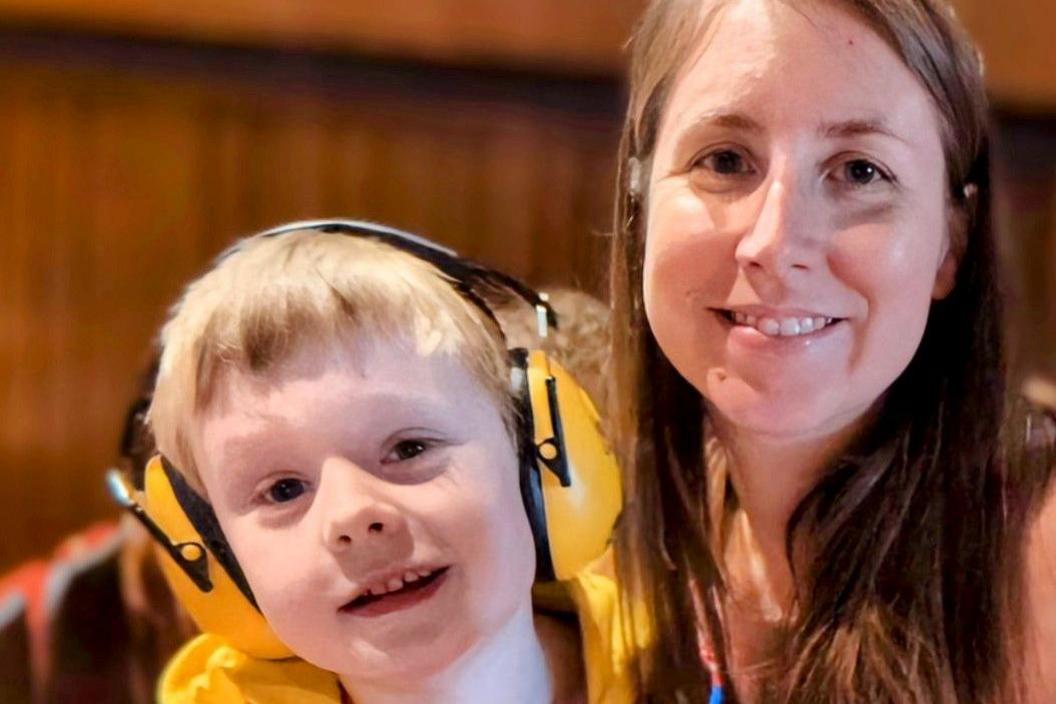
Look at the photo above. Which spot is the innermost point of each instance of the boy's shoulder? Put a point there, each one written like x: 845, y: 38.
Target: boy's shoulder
x: 209, y: 671
x: 591, y: 598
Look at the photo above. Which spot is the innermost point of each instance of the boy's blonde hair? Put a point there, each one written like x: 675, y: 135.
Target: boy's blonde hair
x: 268, y: 296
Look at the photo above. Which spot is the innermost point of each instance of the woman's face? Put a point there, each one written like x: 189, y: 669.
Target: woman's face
x: 798, y: 224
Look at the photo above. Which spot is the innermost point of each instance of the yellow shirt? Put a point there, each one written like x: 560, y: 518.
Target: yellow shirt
x: 208, y: 671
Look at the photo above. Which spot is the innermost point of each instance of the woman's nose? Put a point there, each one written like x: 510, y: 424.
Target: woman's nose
x: 357, y: 510
x: 785, y: 238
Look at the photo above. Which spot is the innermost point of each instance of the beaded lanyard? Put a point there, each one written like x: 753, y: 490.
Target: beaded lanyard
x: 707, y: 656
x: 707, y: 653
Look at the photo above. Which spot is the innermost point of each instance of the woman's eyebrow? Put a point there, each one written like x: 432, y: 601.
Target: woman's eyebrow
x: 729, y: 120
x: 711, y: 120
x: 858, y: 128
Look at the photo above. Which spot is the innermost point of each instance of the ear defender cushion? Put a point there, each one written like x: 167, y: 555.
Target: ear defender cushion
x: 225, y: 610
x: 578, y: 514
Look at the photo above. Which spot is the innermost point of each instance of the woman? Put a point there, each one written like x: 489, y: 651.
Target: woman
x: 829, y: 499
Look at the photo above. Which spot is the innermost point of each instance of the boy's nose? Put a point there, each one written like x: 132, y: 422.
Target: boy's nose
x: 357, y: 511
x: 360, y: 524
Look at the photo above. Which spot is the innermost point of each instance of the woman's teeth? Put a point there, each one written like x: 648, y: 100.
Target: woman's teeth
x: 781, y: 327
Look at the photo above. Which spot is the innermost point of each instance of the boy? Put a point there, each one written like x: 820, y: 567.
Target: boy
x: 347, y: 413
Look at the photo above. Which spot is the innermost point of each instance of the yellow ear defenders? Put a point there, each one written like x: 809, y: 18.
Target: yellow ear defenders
x: 569, y: 478
x: 196, y: 560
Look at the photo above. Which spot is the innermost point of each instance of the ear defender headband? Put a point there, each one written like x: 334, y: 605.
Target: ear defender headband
x: 569, y: 479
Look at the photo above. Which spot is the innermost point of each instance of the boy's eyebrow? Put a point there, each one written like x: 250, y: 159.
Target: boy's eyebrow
x: 240, y: 446
x: 426, y: 409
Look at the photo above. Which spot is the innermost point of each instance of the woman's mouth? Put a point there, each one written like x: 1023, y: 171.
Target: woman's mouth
x: 778, y: 325
x: 397, y: 593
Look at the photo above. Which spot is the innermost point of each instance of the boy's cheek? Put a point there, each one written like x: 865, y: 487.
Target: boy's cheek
x: 502, y: 539
x: 276, y: 571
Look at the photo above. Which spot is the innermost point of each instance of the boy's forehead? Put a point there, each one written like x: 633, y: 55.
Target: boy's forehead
x: 340, y: 389
x: 392, y: 366
x: 309, y: 355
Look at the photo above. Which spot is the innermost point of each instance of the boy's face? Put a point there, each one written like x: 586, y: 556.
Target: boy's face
x: 371, y: 496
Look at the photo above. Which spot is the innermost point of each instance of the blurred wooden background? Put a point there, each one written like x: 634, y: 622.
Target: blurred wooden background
x: 138, y: 137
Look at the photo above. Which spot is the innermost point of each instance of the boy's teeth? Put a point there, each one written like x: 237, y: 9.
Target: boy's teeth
x: 782, y: 327
x: 396, y: 583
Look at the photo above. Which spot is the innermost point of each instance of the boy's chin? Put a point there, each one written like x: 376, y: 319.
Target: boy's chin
x: 405, y: 659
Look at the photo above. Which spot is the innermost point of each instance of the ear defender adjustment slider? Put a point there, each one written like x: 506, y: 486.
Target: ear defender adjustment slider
x: 190, y: 556
x: 549, y: 451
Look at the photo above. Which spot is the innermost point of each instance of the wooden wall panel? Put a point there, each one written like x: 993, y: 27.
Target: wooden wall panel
x: 1016, y: 37
x: 1026, y: 213
x: 562, y: 35
x: 124, y: 170
x: 557, y: 35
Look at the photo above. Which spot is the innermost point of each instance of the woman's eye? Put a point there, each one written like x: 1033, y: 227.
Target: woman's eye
x: 285, y: 490
x: 726, y: 162
x: 860, y: 172
x: 406, y: 450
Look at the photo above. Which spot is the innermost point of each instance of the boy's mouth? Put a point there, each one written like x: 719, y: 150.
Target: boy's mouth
x: 413, y: 588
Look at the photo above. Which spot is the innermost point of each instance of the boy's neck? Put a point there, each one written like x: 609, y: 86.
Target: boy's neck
x: 514, y: 666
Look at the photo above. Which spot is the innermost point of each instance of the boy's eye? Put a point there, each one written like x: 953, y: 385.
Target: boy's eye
x: 406, y: 449
x: 285, y: 490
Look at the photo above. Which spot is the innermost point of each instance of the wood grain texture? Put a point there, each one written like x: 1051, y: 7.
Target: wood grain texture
x: 1017, y: 40
x: 562, y: 35
x: 585, y: 36
x: 1026, y: 216
x: 125, y: 168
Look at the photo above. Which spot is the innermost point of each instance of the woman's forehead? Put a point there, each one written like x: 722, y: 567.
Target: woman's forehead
x: 762, y: 60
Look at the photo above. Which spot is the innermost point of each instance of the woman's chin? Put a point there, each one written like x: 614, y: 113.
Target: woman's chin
x: 776, y: 413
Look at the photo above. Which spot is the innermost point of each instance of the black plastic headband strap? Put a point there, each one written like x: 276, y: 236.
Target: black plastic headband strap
x: 473, y: 281
x: 202, y: 517
x: 190, y: 556
x: 530, y: 478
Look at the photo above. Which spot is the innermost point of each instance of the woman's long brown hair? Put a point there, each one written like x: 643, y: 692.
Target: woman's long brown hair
x: 914, y: 538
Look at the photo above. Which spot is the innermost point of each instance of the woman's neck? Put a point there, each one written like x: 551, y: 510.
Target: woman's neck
x: 770, y: 476
x: 510, y: 666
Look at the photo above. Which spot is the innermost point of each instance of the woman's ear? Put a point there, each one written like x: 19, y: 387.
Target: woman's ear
x: 946, y: 274
x: 961, y: 214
